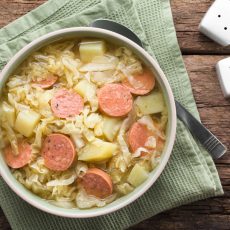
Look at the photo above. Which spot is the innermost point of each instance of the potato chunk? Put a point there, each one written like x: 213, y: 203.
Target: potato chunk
x: 150, y: 104
x: 110, y: 127
x: 97, y: 151
x: 85, y: 89
x: 89, y: 49
x: 8, y: 112
x: 26, y: 122
x: 44, y: 98
x: 137, y: 175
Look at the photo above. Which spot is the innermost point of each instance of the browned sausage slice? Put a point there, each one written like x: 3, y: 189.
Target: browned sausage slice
x: 22, y: 159
x: 143, y: 83
x: 138, y: 136
x: 115, y: 100
x: 58, y: 152
x: 97, y: 183
x: 46, y: 82
x: 65, y: 104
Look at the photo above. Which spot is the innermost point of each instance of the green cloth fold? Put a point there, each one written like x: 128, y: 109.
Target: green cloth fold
x: 190, y: 174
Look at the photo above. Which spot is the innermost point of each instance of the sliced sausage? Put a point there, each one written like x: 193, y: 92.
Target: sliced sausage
x: 46, y: 82
x: 65, y: 104
x: 115, y: 100
x: 138, y: 136
x: 23, y: 157
x: 142, y: 83
x: 58, y: 152
x: 97, y: 183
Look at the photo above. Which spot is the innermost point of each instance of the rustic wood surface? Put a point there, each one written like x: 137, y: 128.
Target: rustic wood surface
x: 200, y: 56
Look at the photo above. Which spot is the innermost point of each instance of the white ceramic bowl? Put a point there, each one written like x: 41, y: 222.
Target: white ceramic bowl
x: 80, y: 32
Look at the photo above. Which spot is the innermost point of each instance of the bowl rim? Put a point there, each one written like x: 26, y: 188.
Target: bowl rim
x: 144, y: 187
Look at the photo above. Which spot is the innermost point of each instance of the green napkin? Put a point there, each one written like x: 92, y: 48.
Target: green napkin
x: 190, y: 174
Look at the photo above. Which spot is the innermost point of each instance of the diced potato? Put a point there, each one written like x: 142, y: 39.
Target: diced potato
x: 137, y: 175
x: 89, y: 49
x: 85, y: 88
x: 124, y: 188
x: 9, y: 113
x: 92, y: 120
x: 150, y: 104
x: 116, y: 175
x: 26, y: 122
x: 44, y: 98
x: 110, y: 127
x: 97, y: 151
x: 100, y: 78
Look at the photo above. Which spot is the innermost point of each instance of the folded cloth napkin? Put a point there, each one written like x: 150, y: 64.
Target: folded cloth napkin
x: 190, y: 174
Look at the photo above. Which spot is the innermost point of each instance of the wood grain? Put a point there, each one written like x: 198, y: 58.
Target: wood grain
x: 200, y: 56
x: 214, y: 109
x: 187, y: 16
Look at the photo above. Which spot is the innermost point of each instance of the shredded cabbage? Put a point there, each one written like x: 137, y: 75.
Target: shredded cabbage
x: 90, y: 95
x: 92, y: 120
x: 48, y: 184
x: 71, y: 70
x: 106, y: 77
x: 100, y: 63
x: 124, y: 160
x: 11, y: 137
x: 38, y: 166
x: 17, y: 80
x: 138, y: 152
x: 88, y: 134
x: 61, y: 182
x: 78, y: 140
x: 90, y: 67
x: 151, y: 142
x: 124, y: 188
x: 129, y: 64
x: 62, y: 204
x: 81, y: 168
x: 155, y: 160
x: 85, y: 201
x: 148, y: 121
x: 98, y: 129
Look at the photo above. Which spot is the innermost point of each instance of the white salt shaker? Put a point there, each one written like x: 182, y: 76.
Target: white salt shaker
x: 216, y: 22
x: 223, y: 73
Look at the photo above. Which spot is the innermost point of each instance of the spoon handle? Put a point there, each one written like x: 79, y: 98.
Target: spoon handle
x: 202, y: 134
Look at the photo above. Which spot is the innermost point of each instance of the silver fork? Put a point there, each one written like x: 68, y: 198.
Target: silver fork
x: 202, y: 134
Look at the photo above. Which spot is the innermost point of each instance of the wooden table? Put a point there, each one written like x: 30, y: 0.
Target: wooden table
x: 200, y: 56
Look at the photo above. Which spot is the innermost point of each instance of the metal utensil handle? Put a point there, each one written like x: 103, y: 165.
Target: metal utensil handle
x: 205, y: 137
x: 117, y: 28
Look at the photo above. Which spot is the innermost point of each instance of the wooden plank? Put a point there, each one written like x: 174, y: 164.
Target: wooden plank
x: 187, y: 16
x: 13, y: 9
x: 213, y: 107
x: 175, y: 220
